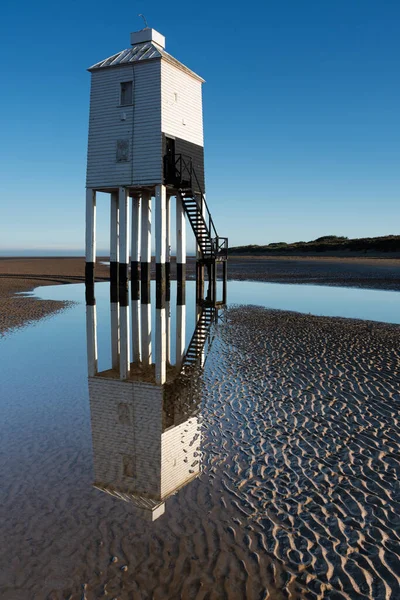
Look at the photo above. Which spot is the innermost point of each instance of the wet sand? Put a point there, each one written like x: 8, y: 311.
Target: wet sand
x: 24, y: 274
x: 372, y: 273
x: 298, y: 496
x: 318, y: 461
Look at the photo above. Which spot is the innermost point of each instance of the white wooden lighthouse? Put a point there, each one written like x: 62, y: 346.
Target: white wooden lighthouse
x: 146, y: 139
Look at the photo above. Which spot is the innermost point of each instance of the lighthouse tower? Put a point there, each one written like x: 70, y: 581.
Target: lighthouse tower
x: 146, y: 140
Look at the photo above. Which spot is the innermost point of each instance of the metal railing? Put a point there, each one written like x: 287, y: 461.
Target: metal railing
x: 220, y: 247
x: 184, y: 169
x: 178, y: 170
x: 184, y: 175
x: 204, y: 207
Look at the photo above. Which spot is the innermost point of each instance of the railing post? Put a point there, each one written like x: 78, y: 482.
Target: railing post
x: 225, y: 281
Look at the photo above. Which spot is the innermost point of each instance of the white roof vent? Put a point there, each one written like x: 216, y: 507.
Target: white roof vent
x: 147, y: 35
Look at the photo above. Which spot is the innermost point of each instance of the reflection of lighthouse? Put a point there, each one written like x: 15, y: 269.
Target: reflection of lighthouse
x: 138, y: 454
x: 146, y: 434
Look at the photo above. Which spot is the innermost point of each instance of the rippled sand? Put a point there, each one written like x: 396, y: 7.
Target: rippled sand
x: 299, y: 495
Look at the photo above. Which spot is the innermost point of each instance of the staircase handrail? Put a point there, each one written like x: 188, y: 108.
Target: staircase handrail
x: 186, y: 161
x: 211, y: 226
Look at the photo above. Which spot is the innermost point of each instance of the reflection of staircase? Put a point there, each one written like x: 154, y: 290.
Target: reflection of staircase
x: 199, y: 337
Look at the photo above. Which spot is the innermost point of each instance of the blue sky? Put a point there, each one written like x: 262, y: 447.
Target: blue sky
x: 301, y: 114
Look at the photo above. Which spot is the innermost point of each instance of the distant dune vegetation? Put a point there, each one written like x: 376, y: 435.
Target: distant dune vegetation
x: 329, y: 244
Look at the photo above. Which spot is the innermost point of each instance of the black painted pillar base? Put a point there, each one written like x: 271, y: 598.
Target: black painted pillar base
x: 167, y: 281
x: 114, y: 292
x: 89, y: 273
x: 89, y: 293
x: 123, y: 296
x: 145, y: 280
x: 123, y: 275
x: 160, y: 285
x: 114, y: 273
x: 135, y: 279
x: 180, y: 283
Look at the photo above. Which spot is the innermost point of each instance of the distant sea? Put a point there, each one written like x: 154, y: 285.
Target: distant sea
x: 44, y: 253
x: 40, y: 253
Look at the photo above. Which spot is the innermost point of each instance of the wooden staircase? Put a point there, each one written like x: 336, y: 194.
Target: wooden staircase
x: 180, y: 174
x: 192, y: 206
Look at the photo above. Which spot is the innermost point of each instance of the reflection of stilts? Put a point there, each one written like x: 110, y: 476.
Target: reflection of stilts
x: 91, y: 335
x: 115, y: 326
x: 145, y: 430
x: 180, y: 328
x: 124, y: 360
x: 114, y: 281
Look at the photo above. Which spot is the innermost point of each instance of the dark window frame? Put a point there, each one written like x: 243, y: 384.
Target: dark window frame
x: 126, y: 95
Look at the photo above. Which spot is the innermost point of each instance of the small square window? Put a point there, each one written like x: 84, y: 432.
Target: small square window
x: 126, y: 93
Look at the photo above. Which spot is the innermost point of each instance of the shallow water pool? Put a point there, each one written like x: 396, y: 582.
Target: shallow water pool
x: 329, y: 301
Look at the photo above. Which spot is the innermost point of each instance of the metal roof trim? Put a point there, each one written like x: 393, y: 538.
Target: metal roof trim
x: 141, y: 53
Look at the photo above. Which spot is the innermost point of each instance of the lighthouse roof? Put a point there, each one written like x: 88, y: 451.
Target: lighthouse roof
x: 140, y: 52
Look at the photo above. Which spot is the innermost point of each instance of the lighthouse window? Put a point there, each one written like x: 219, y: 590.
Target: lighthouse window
x: 126, y: 93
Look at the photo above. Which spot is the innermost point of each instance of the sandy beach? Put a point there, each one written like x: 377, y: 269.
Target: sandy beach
x: 24, y: 274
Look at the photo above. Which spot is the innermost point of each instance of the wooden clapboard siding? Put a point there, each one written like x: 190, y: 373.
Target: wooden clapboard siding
x: 142, y: 127
x: 181, y: 117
